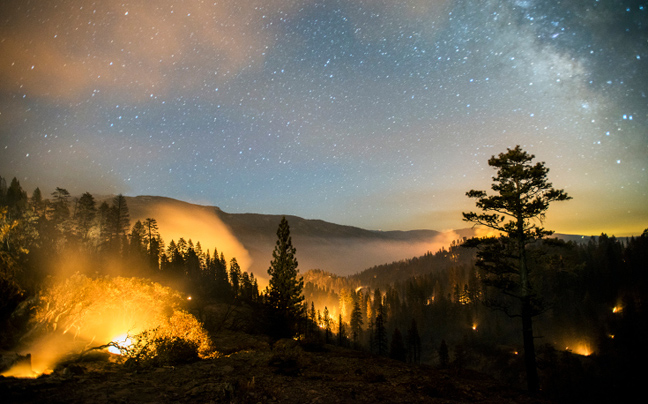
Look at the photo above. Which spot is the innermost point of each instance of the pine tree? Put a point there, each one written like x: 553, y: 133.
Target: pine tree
x: 153, y: 242
x: 84, y: 215
x: 522, y: 196
x: 120, y: 216
x: 341, y: 332
x: 16, y: 200
x: 137, y: 248
x: 37, y: 203
x: 397, y: 347
x: 60, y: 208
x: 284, y: 294
x: 326, y: 318
x: 380, y: 338
x: 235, y: 277
x: 413, y: 343
x: 444, y: 356
x: 356, y: 321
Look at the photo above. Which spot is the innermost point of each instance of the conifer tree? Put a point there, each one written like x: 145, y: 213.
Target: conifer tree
x: 16, y: 199
x: 413, y: 343
x: 397, y: 347
x: 153, y: 242
x: 284, y: 294
x: 60, y: 208
x: 37, y: 203
x: 326, y: 318
x: 516, y: 211
x: 444, y: 356
x: 380, y: 338
x: 84, y: 214
x: 120, y: 219
x: 356, y: 321
x: 235, y: 277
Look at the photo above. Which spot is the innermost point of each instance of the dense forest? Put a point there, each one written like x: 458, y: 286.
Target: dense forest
x: 62, y: 235
x: 590, y: 330
x: 591, y: 322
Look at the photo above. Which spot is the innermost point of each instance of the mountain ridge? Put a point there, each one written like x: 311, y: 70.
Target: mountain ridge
x: 340, y: 249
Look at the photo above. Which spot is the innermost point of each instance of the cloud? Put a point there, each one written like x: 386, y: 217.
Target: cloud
x: 62, y: 49
x: 66, y: 49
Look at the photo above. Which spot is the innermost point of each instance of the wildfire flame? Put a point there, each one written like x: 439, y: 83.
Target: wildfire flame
x: 78, y: 312
x: 581, y: 348
x: 121, y: 342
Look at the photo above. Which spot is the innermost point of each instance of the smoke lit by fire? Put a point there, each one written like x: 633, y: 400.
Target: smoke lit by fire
x: 79, y: 313
x: 200, y: 224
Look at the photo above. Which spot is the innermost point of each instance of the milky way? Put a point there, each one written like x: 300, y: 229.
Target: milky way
x: 378, y: 114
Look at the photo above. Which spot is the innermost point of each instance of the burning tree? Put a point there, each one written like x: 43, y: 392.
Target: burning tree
x: 522, y: 197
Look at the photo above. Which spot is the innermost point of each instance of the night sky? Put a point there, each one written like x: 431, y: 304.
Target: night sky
x: 372, y: 113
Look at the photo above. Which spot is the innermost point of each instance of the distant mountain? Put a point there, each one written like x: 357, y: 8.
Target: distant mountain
x: 250, y: 237
x: 342, y: 250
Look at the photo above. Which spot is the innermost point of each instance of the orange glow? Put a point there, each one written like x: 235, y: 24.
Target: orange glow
x: 79, y: 312
x: 177, y: 219
x: 22, y: 370
x: 617, y: 309
x: 581, y: 348
x: 123, y: 342
x: 474, y: 327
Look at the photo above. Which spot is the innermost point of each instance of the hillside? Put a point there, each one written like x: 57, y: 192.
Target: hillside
x: 250, y: 237
x: 253, y: 368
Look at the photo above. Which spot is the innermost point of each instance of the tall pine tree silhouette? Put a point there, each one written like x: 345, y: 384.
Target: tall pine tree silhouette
x: 516, y: 211
x: 284, y: 294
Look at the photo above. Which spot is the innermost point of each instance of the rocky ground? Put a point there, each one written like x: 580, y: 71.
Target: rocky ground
x: 284, y: 373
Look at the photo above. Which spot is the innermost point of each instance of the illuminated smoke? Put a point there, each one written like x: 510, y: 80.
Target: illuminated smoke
x: 79, y: 312
x: 178, y: 219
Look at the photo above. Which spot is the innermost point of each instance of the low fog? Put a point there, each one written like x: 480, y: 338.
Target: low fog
x: 341, y: 250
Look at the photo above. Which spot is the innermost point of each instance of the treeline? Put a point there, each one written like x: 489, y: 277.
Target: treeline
x: 591, y: 296
x: 389, y: 311
x: 64, y: 234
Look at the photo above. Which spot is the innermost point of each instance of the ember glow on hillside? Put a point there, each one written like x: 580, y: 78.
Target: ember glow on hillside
x: 375, y: 114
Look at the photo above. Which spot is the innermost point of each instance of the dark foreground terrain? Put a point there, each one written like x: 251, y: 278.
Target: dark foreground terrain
x: 285, y: 373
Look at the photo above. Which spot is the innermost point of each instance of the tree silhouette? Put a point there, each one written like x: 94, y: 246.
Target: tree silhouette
x: 153, y: 241
x: 413, y: 343
x: 235, y: 277
x: 356, y: 321
x: 84, y: 214
x: 284, y: 295
x: 397, y: 348
x: 516, y: 210
x: 380, y: 338
x: 444, y: 356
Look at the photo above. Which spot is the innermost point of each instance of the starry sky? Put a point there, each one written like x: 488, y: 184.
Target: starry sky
x: 372, y: 113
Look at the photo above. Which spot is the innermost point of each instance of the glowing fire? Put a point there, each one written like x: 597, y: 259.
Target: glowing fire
x: 122, y: 342
x: 22, y: 368
x: 617, y: 309
x: 581, y: 348
x: 474, y: 326
x: 79, y: 312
